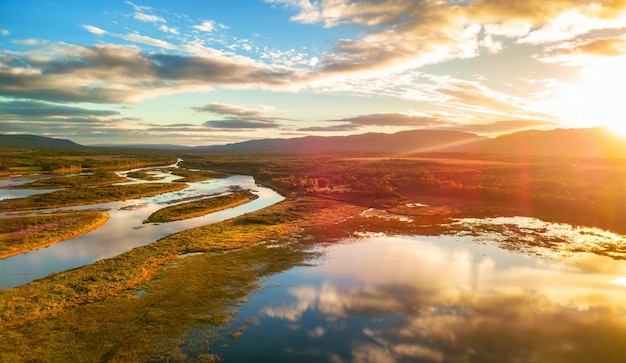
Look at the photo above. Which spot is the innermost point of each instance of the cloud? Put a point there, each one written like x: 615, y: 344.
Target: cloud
x: 585, y: 52
x: 148, y: 18
x: 239, y: 124
x: 578, y: 20
x: 256, y: 113
x: 206, y: 26
x: 341, y: 127
x: 241, y: 117
x: 141, y: 14
x: 4, y: 32
x: 392, y: 119
x: 94, y: 30
x: 111, y: 73
x: 405, y: 34
x: 167, y: 29
x: 35, y: 108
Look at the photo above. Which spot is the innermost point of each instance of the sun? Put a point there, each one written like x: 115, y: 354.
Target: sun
x: 596, y: 100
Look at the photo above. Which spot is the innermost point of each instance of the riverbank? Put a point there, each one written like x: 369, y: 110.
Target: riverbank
x: 179, y: 293
x: 82, y: 196
x: 200, y: 207
x: 23, y: 234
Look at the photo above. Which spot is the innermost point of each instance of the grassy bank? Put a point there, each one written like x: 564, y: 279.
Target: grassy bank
x: 22, y: 234
x: 83, y: 196
x: 197, y: 175
x: 141, y: 175
x: 78, y: 181
x: 200, y: 207
x: 91, y: 313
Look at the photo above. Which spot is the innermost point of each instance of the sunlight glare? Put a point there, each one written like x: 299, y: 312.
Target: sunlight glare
x: 620, y: 281
x: 597, y: 100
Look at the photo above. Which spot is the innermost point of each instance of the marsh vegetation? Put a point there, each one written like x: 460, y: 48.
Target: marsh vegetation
x: 14, y: 161
x: 177, y: 299
x: 22, y: 234
x: 576, y: 191
x: 200, y: 207
x: 83, y: 195
x: 77, y: 181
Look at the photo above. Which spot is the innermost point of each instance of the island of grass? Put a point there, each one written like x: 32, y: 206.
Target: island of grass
x: 84, y: 196
x: 23, y: 234
x: 77, y: 181
x: 142, y: 175
x: 197, y: 175
x: 201, y: 207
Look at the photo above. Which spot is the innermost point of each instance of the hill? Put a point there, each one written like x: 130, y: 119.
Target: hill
x: 590, y: 143
x: 402, y: 142
x: 36, y: 142
x: 581, y: 143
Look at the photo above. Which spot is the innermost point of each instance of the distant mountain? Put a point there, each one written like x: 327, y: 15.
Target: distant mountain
x: 590, y: 142
x: 144, y: 146
x: 594, y: 142
x: 404, y: 142
x: 36, y: 142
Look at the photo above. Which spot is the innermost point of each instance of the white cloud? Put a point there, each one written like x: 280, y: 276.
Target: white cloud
x: 206, y: 26
x: 148, y: 18
x: 167, y: 29
x: 570, y: 24
x: 4, y: 32
x: 509, y: 29
x: 139, y: 8
x: 492, y: 46
x: 94, y: 30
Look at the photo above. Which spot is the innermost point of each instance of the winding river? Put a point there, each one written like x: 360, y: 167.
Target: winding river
x: 125, y: 229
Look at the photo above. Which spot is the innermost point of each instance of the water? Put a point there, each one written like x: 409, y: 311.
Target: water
x: 433, y: 299
x: 125, y: 229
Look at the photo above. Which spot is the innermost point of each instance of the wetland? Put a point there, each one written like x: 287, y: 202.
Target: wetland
x: 432, y: 258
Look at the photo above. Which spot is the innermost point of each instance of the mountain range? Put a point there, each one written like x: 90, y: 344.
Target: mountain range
x: 589, y: 142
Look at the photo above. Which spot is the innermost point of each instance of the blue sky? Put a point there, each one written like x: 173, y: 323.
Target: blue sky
x: 215, y: 72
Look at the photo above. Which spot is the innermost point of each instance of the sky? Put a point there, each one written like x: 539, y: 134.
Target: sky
x: 216, y: 72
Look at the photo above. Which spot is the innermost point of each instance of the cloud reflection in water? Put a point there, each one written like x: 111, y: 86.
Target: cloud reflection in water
x: 400, y: 299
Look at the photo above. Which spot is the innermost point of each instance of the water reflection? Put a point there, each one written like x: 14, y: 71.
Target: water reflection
x: 125, y: 229
x: 401, y: 299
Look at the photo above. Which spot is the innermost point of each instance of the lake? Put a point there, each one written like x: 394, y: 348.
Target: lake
x: 430, y: 299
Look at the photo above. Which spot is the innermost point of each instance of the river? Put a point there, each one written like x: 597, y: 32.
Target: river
x: 125, y: 229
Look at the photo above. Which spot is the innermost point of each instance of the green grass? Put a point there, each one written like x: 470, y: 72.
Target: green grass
x: 22, y: 234
x: 200, y: 207
x: 78, y: 181
x: 83, y: 196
